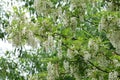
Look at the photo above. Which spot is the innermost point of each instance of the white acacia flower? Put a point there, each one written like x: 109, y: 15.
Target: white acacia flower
x: 70, y: 53
x: 59, y: 53
x: 72, y: 6
x: 110, y: 6
x: 49, y: 66
x: 51, y: 43
x: 40, y: 6
x: 46, y: 46
x: 114, y: 38
x: 87, y: 56
x: 92, y: 44
x: 77, y: 76
x: 66, y: 66
x: 73, y: 21
x: 31, y: 40
x: 113, y: 75
x: 116, y: 62
x: 102, y: 24
x: 50, y: 69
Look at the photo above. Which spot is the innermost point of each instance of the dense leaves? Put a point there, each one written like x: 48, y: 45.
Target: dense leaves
x: 69, y: 39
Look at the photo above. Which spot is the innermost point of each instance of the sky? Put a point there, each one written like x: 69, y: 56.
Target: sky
x: 6, y: 5
x: 5, y: 46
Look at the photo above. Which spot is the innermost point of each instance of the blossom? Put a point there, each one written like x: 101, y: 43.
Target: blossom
x: 73, y: 21
x: 114, y: 38
x: 102, y: 25
x: 59, y: 49
x: 70, y: 53
x: 49, y: 44
x: 59, y: 53
x: 72, y: 6
x: 113, y: 75
x: 92, y: 44
x: 77, y: 76
x: 66, y: 66
x: 87, y: 56
x: 42, y: 6
x: 110, y: 6
x: 50, y: 70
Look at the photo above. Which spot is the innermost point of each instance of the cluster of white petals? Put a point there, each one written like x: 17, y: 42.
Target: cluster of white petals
x: 111, y: 25
x: 74, y: 71
x: 52, y: 71
x: 113, y: 75
x: 66, y: 66
x: 87, y: 56
x: 49, y: 44
x: 70, y: 53
x: 92, y: 44
x: 59, y: 49
x: 42, y: 6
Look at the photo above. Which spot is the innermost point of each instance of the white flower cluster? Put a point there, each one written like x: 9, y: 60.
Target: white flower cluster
x: 70, y: 53
x: 77, y: 76
x: 113, y: 75
x: 52, y: 71
x: 73, y: 21
x: 59, y: 53
x: 92, y: 44
x: 111, y: 24
x: 49, y: 44
x: 42, y: 5
x: 116, y: 63
x: 63, y: 17
x: 59, y: 49
x: 102, y: 24
x: 110, y: 6
x: 74, y: 72
x: 87, y: 56
x: 66, y: 66
x: 17, y: 39
x: 32, y: 41
x: 71, y: 8
x: 114, y: 38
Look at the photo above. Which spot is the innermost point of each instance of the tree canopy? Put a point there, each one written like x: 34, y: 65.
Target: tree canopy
x: 69, y: 40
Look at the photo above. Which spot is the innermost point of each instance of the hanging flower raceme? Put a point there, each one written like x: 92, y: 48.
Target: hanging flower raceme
x: 110, y: 24
x: 66, y: 66
x: 49, y: 44
x: 59, y: 49
x: 70, y: 54
x: 113, y: 75
x: 92, y: 44
x: 52, y: 71
x: 42, y: 6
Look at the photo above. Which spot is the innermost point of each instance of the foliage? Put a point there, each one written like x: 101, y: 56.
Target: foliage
x: 70, y: 40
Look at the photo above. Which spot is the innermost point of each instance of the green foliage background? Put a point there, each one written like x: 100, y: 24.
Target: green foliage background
x: 69, y: 39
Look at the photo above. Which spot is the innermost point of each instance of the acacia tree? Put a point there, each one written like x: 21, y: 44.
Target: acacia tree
x: 70, y: 39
